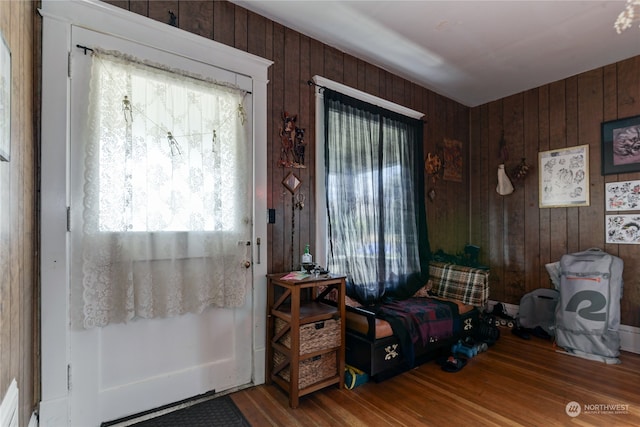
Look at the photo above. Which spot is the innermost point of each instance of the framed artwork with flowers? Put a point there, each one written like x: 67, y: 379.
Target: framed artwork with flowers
x: 621, y: 146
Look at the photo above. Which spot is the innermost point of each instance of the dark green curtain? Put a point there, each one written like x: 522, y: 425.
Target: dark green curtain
x: 375, y: 199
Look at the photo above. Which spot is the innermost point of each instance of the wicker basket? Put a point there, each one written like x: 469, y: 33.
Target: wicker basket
x: 311, y: 370
x: 313, y: 336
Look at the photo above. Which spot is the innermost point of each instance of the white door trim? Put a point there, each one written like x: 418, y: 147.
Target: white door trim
x: 58, y: 19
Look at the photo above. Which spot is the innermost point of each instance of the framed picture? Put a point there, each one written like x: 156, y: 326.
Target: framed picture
x: 621, y: 146
x: 5, y: 100
x: 623, y: 229
x: 564, y: 177
x: 622, y: 196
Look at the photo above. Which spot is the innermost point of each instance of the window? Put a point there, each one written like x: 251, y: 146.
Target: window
x: 169, y: 149
x: 166, y: 194
x: 376, y: 226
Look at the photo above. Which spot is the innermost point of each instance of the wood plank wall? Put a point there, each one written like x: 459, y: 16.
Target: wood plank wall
x: 297, y: 58
x: 18, y: 308
x: 518, y: 237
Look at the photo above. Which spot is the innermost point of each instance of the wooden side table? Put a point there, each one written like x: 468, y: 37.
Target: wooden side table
x: 305, y: 337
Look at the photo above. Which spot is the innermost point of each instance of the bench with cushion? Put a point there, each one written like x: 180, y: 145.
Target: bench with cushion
x: 382, y: 342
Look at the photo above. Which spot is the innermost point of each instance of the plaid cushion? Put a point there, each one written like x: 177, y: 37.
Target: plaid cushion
x: 466, y: 284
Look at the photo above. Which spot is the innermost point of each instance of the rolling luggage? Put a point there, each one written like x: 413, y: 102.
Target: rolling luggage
x: 588, y: 309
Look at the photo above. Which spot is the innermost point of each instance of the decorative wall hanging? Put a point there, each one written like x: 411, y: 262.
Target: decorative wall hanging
x: 452, y: 160
x: 292, y: 183
x: 521, y: 170
x: 623, y: 229
x: 621, y: 146
x: 433, y: 167
x: 292, y: 152
x: 622, y: 196
x: 5, y: 100
x: 504, y: 186
x: 564, y: 177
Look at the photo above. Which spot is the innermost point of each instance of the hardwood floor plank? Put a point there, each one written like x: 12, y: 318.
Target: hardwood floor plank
x: 516, y: 383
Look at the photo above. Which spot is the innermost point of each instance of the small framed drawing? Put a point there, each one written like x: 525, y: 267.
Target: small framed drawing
x: 622, y: 196
x: 564, y: 177
x: 621, y: 146
x: 623, y: 229
x: 5, y: 100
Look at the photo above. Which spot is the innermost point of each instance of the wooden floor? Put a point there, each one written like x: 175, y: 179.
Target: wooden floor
x: 517, y: 382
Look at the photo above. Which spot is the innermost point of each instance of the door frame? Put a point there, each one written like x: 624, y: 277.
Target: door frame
x: 59, y: 17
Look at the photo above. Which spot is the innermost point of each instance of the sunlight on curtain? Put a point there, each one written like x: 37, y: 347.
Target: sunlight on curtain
x: 375, y: 203
x: 166, y: 195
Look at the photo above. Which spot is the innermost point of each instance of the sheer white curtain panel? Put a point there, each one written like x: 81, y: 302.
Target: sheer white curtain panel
x: 166, y: 195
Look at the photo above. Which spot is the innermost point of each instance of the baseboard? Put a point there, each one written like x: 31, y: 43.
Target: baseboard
x: 629, y: 335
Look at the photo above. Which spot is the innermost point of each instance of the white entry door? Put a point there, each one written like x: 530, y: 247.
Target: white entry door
x: 95, y: 375
x: 122, y: 369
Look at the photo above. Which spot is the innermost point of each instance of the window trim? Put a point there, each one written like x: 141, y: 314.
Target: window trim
x: 321, y: 232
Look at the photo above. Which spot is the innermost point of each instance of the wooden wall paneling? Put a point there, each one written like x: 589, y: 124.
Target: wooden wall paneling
x: 241, y: 36
x: 451, y: 226
x: 256, y: 34
x: 17, y: 190
x: 292, y: 107
x: 197, y: 18
x: 514, y: 209
x: 280, y: 242
x: 399, y: 96
x: 571, y: 115
x: 543, y: 145
x: 159, y: 10
x: 272, y: 144
x: 18, y: 331
x: 362, y: 75
x: 140, y: 7
x: 306, y: 121
x: 460, y: 132
x: 557, y: 139
x: 436, y: 213
x: 5, y: 240
x: 496, y: 204
x: 475, y: 176
x: 123, y: 4
x: 529, y: 185
x: 628, y: 106
x: 333, y: 64
x: 609, y: 112
x: 590, y: 89
x: 485, y: 185
x: 372, y: 79
x: 223, y: 22
x: 350, y: 71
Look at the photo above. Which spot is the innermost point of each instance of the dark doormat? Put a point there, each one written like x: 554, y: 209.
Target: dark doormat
x: 219, y: 411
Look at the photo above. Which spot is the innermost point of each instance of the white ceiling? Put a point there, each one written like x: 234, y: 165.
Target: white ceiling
x: 470, y: 51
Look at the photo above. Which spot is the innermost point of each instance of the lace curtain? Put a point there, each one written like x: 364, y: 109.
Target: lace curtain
x: 375, y: 199
x: 166, y: 195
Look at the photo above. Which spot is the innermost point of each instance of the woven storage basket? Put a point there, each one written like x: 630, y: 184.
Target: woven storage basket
x: 311, y: 370
x: 313, y: 336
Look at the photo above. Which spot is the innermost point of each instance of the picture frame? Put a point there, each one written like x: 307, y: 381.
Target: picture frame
x: 623, y: 229
x: 564, y: 177
x: 621, y: 146
x: 622, y: 196
x: 5, y: 100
